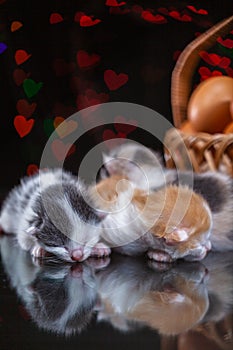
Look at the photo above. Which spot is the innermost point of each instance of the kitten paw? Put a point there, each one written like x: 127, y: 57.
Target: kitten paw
x: 38, y: 252
x: 100, y: 250
x: 159, y: 255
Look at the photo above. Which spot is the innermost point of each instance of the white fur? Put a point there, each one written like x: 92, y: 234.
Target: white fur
x: 124, y: 223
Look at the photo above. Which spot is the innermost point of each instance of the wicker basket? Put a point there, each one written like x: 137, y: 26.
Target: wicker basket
x: 206, y: 151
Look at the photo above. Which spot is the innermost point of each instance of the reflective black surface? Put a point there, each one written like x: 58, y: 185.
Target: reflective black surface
x: 121, y: 302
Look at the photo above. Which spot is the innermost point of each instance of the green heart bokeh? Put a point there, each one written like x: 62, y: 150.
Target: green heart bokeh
x: 31, y: 88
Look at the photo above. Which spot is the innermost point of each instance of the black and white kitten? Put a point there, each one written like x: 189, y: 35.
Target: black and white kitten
x: 51, y: 212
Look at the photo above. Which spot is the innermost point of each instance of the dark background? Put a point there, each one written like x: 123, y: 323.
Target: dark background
x: 125, y: 42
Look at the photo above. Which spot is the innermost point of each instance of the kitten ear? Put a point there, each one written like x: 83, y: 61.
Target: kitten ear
x: 108, y: 163
x: 31, y: 230
x: 176, y: 236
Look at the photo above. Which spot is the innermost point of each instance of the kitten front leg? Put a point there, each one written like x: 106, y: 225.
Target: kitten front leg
x: 100, y: 250
x: 159, y: 255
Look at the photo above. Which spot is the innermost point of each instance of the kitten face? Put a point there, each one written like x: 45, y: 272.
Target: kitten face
x: 64, y: 223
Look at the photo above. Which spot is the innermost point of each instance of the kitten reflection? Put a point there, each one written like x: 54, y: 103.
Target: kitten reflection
x: 59, y: 297
x: 63, y: 300
x: 133, y: 291
x: 171, y: 300
x: 129, y: 293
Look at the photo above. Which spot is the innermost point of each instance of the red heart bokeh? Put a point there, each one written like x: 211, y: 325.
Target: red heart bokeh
x: 115, y: 81
x: 86, y: 60
x: 22, y: 125
x: 91, y: 98
x: 25, y: 108
x: 226, y: 43
x: 21, y: 56
x: 19, y: 75
x: 87, y: 21
x: 149, y: 17
x: 55, y: 18
x: 215, y: 60
x: 199, y: 12
x: 180, y: 17
x: 206, y: 73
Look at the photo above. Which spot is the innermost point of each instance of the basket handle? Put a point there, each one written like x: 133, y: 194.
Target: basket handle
x: 181, y: 81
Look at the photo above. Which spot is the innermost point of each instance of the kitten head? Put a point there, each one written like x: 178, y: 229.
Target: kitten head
x: 64, y: 223
x: 137, y: 163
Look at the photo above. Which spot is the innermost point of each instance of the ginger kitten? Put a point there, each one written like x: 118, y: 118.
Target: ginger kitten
x: 167, y: 224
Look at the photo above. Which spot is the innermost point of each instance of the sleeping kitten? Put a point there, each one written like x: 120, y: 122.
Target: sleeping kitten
x: 214, y: 187
x: 168, y: 224
x: 47, y: 212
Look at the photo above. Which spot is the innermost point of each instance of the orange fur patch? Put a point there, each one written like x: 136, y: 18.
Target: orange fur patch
x: 174, y: 213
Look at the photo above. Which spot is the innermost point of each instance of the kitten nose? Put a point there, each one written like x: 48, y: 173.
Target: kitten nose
x: 77, y: 254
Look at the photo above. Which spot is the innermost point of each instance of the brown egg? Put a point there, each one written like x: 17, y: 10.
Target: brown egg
x: 228, y: 129
x: 187, y: 128
x: 209, y: 104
